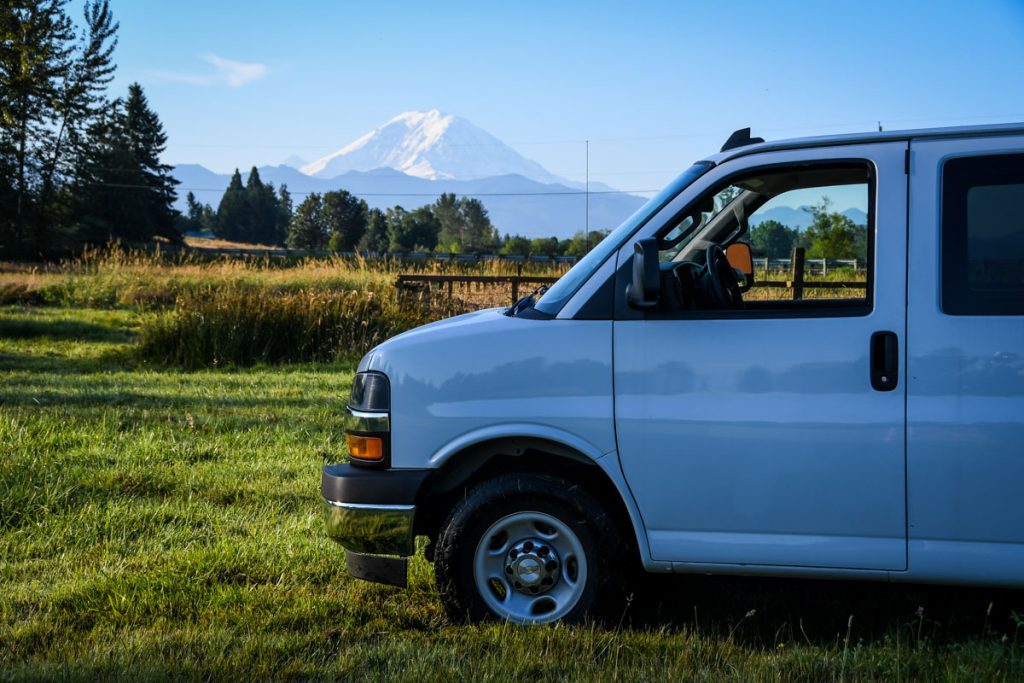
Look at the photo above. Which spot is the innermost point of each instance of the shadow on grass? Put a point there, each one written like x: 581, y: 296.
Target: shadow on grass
x: 763, y: 612
x: 62, y: 329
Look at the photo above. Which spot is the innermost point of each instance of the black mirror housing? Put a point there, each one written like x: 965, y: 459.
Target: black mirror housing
x: 644, y: 290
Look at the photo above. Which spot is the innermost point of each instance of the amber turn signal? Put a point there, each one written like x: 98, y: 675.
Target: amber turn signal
x: 365, y: 447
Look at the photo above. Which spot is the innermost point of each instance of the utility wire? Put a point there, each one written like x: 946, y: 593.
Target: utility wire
x: 400, y: 194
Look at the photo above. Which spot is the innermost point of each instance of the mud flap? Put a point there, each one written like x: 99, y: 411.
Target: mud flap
x: 394, y: 571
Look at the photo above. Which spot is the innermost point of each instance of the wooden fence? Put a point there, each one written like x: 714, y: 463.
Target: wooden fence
x: 428, y: 284
x: 797, y: 281
x: 412, y: 256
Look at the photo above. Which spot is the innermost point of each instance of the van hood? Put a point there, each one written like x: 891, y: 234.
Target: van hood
x: 486, y: 372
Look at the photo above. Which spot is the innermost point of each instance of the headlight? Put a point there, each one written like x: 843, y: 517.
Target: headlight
x: 371, y: 392
x: 368, y: 423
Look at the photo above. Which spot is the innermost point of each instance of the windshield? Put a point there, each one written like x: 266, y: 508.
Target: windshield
x: 559, y: 293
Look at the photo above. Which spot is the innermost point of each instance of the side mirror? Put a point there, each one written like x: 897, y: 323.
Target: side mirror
x: 742, y: 260
x: 644, y: 290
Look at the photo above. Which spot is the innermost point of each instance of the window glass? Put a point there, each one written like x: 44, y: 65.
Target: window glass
x: 983, y: 236
x: 808, y: 229
x: 559, y: 293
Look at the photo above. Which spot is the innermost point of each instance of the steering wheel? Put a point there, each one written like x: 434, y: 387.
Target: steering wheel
x: 724, y: 286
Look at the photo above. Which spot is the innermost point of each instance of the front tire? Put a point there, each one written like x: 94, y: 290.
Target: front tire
x: 528, y: 548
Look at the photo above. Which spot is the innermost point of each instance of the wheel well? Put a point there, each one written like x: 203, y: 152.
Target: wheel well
x: 450, y: 483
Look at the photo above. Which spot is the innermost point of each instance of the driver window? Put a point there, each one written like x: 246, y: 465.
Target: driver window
x: 808, y: 231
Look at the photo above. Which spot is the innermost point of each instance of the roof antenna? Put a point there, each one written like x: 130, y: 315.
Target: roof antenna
x: 740, y: 138
x: 879, y: 126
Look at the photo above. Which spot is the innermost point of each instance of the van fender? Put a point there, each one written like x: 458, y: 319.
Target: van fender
x: 569, y: 445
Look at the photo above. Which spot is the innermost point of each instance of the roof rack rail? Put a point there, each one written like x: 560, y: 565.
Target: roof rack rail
x: 740, y: 138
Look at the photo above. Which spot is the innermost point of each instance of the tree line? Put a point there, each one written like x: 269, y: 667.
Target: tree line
x: 79, y: 166
x: 830, y: 235
x: 76, y: 166
x: 254, y: 212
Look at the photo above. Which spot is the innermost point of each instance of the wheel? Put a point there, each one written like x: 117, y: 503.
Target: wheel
x: 531, y: 549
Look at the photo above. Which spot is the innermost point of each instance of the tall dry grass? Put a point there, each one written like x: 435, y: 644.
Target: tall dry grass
x: 205, y: 311
x: 151, y: 280
x: 243, y: 326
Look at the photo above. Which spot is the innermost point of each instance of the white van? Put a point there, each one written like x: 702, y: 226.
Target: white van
x: 658, y: 407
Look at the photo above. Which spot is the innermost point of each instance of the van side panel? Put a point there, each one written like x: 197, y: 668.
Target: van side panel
x: 965, y: 405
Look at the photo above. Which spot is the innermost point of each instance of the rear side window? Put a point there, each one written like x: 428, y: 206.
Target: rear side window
x: 983, y: 235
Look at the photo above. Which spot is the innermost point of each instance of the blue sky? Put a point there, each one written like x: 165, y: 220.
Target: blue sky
x: 652, y: 85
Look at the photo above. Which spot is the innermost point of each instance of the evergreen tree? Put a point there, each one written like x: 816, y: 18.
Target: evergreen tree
x: 122, y: 189
x: 232, y: 214
x: 82, y: 97
x: 193, y: 213
x: 375, y: 240
x: 307, y: 229
x: 109, y: 186
x: 452, y: 235
x: 417, y: 230
x: 261, y: 202
x: 148, y: 141
x: 479, y: 234
x: 284, y: 214
x: 35, y: 54
x: 345, y: 217
x: 395, y: 219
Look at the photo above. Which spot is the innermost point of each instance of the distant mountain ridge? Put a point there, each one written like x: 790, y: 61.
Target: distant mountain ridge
x: 416, y: 156
x: 516, y: 204
x: 801, y: 218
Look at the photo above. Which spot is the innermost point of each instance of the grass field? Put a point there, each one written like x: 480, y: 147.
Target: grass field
x: 163, y: 524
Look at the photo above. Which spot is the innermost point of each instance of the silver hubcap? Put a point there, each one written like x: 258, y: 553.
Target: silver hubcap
x: 530, y: 568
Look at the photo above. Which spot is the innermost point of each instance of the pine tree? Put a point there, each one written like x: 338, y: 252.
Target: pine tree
x: 375, y: 241
x: 478, y: 233
x: 397, y: 238
x: 232, y: 213
x: 122, y: 189
x: 262, y: 209
x: 82, y: 95
x: 345, y: 218
x: 148, y: 142
x: 307, y: 229
x: 193, y: 213
x: 109, y: 186
x: 284, y: 215
x: 35, y: 52
x: 452, y: 236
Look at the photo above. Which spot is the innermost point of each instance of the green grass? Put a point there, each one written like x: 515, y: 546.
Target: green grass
x: 165, y: 524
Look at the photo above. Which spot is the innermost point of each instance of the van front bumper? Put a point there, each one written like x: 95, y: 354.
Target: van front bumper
x: 372, y: 513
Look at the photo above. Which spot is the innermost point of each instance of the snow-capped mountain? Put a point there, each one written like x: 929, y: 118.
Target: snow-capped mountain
x: 416, y: 156
x: 430, y: 145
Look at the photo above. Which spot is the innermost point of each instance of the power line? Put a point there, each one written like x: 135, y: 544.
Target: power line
x: 403, y: 194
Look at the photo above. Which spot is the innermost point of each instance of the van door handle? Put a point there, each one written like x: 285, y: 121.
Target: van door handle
x: 885, y: 361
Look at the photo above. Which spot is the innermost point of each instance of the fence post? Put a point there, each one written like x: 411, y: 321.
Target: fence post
x: 798, y: 273
x: 824, y: 267
x: 515, y: 289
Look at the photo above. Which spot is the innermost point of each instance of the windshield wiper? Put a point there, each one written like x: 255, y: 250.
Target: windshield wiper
x: 528, y: 301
